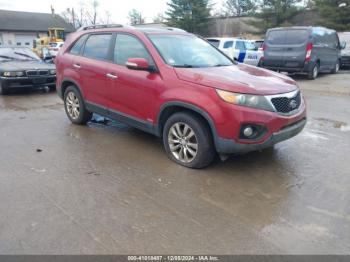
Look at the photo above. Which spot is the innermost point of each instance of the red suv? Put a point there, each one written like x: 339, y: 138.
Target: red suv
x: 177, y: 86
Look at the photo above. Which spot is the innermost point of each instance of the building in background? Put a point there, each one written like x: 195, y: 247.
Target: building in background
x: 22, y: 28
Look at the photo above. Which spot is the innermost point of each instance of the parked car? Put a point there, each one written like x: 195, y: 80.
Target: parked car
x: 55, y: 47
x: 243, y: 51
x: 179, y: 87
x: 345, y: 53
x: 20, y: 67
x: 259, y: 44
x: 308, y: 50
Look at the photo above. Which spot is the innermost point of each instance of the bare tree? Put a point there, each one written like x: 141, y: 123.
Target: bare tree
x: 135, y: 17
x: 159, y: 18
x: 92, y: 12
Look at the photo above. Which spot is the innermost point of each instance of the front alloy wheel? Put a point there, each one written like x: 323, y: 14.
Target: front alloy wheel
x: 183, y: 142
x: 188, y: 141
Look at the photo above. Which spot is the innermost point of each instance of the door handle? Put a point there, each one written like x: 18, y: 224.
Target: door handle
x: 77, y: 66
x: 112, y: 76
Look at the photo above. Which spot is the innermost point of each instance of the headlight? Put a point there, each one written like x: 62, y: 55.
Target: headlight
x: 254, y: 101
x: 52, y: 72
x: 13, y: 74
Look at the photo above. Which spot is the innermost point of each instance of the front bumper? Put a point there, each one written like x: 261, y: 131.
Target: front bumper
x: 304, y: 68
x: 227, y: 146
x: 28, y: 82
x: 345, y: 61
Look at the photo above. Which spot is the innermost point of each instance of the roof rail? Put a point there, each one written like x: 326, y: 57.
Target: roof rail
x: 99, y: 26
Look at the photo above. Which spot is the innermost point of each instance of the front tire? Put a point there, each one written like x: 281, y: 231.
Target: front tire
x: 188, y: 141
x: 75, y: 106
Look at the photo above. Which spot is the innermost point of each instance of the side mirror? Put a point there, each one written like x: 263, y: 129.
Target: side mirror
x: 140, y: 64
x: 343, y: 45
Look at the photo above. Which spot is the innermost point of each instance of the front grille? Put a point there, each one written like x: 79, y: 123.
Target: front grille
x: 37, y: 72
x: 286, y: 105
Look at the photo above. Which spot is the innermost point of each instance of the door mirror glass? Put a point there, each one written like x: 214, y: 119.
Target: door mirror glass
x: 138, y: 64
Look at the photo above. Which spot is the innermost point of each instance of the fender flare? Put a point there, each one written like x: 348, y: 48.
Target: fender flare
x: 192, y: 107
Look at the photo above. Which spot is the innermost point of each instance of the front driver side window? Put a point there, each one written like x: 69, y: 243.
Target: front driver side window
x: 126, y: 47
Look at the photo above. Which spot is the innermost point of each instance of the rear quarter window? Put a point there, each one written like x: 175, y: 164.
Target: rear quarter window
x: 75, y: 50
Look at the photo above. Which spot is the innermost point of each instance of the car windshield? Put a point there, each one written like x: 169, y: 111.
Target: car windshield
x: 188, y: 51
x: 18, y: 54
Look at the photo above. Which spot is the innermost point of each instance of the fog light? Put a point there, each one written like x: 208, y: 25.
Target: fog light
x: 248, y: 131
x: 252, y: 131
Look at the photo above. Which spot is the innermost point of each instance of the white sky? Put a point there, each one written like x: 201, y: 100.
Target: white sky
x: 118, y: 9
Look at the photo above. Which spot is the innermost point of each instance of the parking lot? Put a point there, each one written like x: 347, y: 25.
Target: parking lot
x: 109, y: 189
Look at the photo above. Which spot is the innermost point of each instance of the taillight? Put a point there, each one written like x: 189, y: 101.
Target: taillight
x: 264, y: 47
x: 309, y: 48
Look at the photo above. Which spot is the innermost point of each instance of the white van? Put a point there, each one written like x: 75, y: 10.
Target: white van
x: 243, y: 51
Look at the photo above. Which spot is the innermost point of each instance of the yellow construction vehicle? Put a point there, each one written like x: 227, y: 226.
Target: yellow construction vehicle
x: 54, y: 35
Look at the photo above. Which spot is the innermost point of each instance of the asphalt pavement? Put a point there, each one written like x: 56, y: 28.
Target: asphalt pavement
x: 106, y: 188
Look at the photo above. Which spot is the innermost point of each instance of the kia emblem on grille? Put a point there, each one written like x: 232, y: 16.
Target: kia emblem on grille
x: 293, y: 104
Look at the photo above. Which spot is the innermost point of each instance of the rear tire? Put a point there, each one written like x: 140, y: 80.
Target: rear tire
x: 188, y: 141
x: 336, y: 68
x: 75, y: 106
x: 313, y: 73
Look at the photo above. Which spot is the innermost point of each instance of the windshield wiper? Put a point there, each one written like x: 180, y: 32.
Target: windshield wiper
x: 219, y: 65
x: 6, y: 57
x: 185, y: 66
x: 25, y: 55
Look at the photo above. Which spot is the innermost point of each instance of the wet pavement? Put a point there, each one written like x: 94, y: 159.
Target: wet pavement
x: 110, y: 189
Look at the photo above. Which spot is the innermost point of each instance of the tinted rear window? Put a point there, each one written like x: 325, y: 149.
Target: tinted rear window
x: 75, y: 50
x: 287, y: 37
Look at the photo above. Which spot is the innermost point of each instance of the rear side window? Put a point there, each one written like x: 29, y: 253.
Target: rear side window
x: 126, y: 47
x: 75, y: 50
x: 228, y: 44
x: 240, y: 45
x: 97, y: 46
x: 287, y: 37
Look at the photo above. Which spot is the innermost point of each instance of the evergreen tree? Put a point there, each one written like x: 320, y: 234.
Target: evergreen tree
x: 274, y: 13
x: 335, y: 14
x: 190, y: 15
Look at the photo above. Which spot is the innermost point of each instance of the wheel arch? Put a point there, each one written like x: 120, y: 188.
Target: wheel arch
x: 171, y: 108
x: 66, y: 83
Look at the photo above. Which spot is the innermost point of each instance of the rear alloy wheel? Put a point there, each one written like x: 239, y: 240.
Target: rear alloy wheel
x: 336, y: 68
x: 75, y: 107
x: 313, y: 73
x: 187, y: 140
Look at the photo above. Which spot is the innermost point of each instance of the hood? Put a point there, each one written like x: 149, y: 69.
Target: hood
x: 24, y: 65
x: 240, y: 79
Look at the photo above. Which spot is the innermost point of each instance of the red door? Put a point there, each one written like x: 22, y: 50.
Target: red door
x: 133, y: 92
x: 92, y: 67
